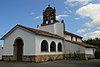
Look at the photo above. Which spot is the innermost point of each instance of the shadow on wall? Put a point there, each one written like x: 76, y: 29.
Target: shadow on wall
x: 97, y: 55
x: 1, y: 49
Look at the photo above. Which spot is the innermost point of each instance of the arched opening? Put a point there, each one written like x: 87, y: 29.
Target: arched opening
x: 44, y: 45
x: 59, y: 47
x: 18, y: 49
x: 53, y: 46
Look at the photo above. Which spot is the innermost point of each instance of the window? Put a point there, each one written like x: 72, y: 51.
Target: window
x: 44, y: 45
x: 59, y: 47
x: 52, y: 46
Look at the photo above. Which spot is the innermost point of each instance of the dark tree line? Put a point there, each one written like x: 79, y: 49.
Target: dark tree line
x: 95, y: 42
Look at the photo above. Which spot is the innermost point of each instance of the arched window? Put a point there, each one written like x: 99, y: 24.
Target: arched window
x: 53, y: 46
x: 44, y: 45
x: 59, y: 47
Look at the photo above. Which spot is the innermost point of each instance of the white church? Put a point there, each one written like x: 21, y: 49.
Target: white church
x: 49, y: 41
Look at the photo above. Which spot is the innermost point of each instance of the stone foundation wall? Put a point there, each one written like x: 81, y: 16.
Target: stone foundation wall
x: 7, y: 58
x: 75, y: 56
x: 28, y: 58
x: 35, y: 58
x: 43, y: 58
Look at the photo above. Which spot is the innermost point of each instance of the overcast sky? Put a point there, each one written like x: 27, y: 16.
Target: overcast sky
x: 81, y: 17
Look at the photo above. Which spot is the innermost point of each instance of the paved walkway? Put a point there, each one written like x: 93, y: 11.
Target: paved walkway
x: 59, y: 63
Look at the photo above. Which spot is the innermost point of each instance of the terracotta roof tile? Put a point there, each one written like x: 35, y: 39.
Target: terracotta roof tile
x: 45, y: 33
x: 71, y: 34
x: 81, y: 44
x: 40, y: 32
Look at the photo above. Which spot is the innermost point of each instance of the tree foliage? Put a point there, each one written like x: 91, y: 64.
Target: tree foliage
x: 94, y: 42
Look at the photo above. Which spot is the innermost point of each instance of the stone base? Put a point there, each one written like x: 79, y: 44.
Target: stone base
x: 35, y: 58
x: 30, y: 58
x: 7, y: 58
x: 75, y: 56
x: 42, y: 58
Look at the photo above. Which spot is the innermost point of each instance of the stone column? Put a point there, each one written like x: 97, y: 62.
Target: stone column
x: 49, y: 47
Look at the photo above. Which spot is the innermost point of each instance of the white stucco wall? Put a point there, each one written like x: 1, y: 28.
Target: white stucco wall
x: 57, y: 28
x: 74, y: 38
x: 28, y: 39
x: 89, y: 51
x: 79, y: 40
x: 1, y: 52
x: 49, y: 28
x: 68, y: 37
x: 39, y: 40
x: 71, y: 48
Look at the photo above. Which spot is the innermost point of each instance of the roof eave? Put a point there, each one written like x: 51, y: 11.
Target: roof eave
x: 90, y: 47
x: 68, y: 33
x: 7, y: 34
x: 81, y: 45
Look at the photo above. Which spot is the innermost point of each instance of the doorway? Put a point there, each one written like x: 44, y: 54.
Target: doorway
x: 18, y: 49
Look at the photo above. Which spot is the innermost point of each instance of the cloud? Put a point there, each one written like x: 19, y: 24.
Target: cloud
x: 95, y: 34
x: 94, y: 23
x: 58, y: 17
x: 84, y: 2
x: 82, y: 30
x: 38, y: 17
x: 32, y: 13
x: 93, y: 12
x: 98, y: 27
x: 61, y: 16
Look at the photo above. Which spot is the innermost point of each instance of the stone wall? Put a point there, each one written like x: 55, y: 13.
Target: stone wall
x: 7, y: 58
x: 75, y: 56
x: 29, y: 58
x: 43, y: 58
x: 35, y: 58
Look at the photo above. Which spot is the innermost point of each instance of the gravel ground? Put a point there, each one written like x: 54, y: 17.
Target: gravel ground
x: 58, y: 63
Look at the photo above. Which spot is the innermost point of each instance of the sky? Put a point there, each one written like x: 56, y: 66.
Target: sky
x: 81, y: 17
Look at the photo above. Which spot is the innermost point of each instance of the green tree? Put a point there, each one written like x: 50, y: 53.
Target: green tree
x: 95, y: 42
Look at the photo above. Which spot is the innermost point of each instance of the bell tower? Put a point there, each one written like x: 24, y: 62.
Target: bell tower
x: 49, y: 16
x: 50, y: 23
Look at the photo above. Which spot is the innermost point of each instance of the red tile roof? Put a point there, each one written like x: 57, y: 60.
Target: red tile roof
x: 45, y: 33
x: 36, y: 31
x: 71, y: 34
x: 81, y: 44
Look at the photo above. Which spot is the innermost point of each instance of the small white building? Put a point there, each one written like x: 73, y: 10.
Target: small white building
x: 49, y: 41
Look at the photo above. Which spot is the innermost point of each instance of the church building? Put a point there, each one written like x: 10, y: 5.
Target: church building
x: 50, y: 41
